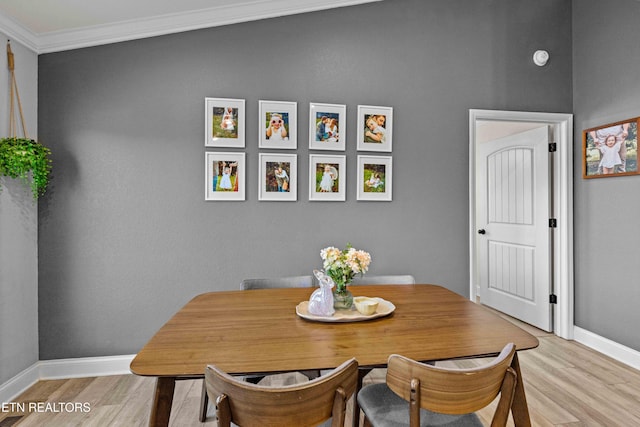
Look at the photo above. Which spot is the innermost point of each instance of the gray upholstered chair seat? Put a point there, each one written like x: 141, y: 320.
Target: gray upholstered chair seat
x: 384, y: 408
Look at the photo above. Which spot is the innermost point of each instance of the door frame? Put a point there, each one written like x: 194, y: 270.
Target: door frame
x: 563, y: 206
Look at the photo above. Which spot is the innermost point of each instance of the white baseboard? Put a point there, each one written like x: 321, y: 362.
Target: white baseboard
x: 85, y: 367
x: 616, y: 351
x: 16, y: 385
x: 64, y: 368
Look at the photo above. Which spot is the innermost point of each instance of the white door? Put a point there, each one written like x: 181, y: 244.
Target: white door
x: 512, y: 215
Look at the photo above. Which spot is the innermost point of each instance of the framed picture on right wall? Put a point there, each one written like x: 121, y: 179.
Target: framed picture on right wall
x: 610, y: 150
x: 375, y: 176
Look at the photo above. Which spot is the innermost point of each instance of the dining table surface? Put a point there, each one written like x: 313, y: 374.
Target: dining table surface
x: 260, y: 332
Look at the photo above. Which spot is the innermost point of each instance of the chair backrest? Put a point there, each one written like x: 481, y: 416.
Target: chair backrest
x: 278, y: 282
x: 305, y: 404
x: 454, y: 391
x: 398, y: 279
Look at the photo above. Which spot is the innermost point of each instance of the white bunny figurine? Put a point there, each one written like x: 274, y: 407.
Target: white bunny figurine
x: 321, y: 301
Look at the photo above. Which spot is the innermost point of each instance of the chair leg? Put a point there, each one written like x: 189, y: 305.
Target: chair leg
x: 362, y: 372
x: 204, y: 403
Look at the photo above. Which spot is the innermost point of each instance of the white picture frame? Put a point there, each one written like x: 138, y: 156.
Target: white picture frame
x: 375, y: 178
x: 327, y: 126
x: 224, y: 176
x: 375, y: 128
x: 277, y: 125
x: 224, y: 122
x: 327, y: 177
x: 278, y: 177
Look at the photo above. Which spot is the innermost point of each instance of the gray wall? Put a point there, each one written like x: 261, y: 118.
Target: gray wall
x: 18, y: 230
x: 606, y: 87
x: 126, y: 237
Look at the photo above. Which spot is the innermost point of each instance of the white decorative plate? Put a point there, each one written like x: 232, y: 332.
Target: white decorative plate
x: 385, y: 308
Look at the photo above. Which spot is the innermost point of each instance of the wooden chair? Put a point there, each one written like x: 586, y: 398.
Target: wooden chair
x: 418, y: 394
x: 269, y: 283
x: 398, y: 279
x: 306, y: 404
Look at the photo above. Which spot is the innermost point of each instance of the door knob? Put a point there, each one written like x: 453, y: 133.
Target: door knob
x: 482, y: 231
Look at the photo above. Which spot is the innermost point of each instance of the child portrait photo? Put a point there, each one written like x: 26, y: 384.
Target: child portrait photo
x: 374, y: 178
x: 327, y: 176
x: 278, y: 177
x: 277, y: 125
x: 224, y: 177
x: 611, y: 150
x: 224, y: 125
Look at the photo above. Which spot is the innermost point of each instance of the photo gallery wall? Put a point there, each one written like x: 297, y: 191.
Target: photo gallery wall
x: 225, y: 171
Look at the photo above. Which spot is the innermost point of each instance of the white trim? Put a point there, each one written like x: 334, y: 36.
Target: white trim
x: 18, y: 384
x: 616, y: 351
x: 85, y: 367
x: 563, y: 269
x: 19, y: 33
x: 62, y: 369
x: 57, y: 41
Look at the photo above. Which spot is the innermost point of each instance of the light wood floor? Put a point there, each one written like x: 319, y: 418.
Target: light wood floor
x: 567, y: 385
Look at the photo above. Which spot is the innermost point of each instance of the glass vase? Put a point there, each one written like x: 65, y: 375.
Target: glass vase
x: 342, y: 299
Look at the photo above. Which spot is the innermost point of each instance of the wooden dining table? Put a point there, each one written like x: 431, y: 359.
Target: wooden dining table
x: 259, y: 332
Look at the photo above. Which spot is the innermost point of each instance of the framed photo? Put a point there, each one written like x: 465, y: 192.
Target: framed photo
x: 375, y: 177
x: 610, y: 150
x: 224, y: 122
x: 278, y: 177
x: 224, y: 176
x: 327, y: 177
x: 327, y: 126
x: 277, y: 125
x: 375, y: 128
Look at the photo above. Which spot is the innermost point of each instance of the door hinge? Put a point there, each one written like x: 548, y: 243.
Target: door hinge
x: 553, y: 299
x: 553, y: 147
x: 553, y: 223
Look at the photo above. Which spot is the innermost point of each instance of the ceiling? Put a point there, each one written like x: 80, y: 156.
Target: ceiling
x: 55, y: 25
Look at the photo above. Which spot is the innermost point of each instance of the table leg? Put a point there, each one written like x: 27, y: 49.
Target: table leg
x: 204, y: 402
x: 519, y: 408
x: 162, y: 400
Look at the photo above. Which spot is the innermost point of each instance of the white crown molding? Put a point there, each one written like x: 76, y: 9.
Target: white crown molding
x: 57, y: 41
x: 19, y: 33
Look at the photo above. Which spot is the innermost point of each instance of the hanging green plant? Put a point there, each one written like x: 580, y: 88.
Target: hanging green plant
x: 27, y: 160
